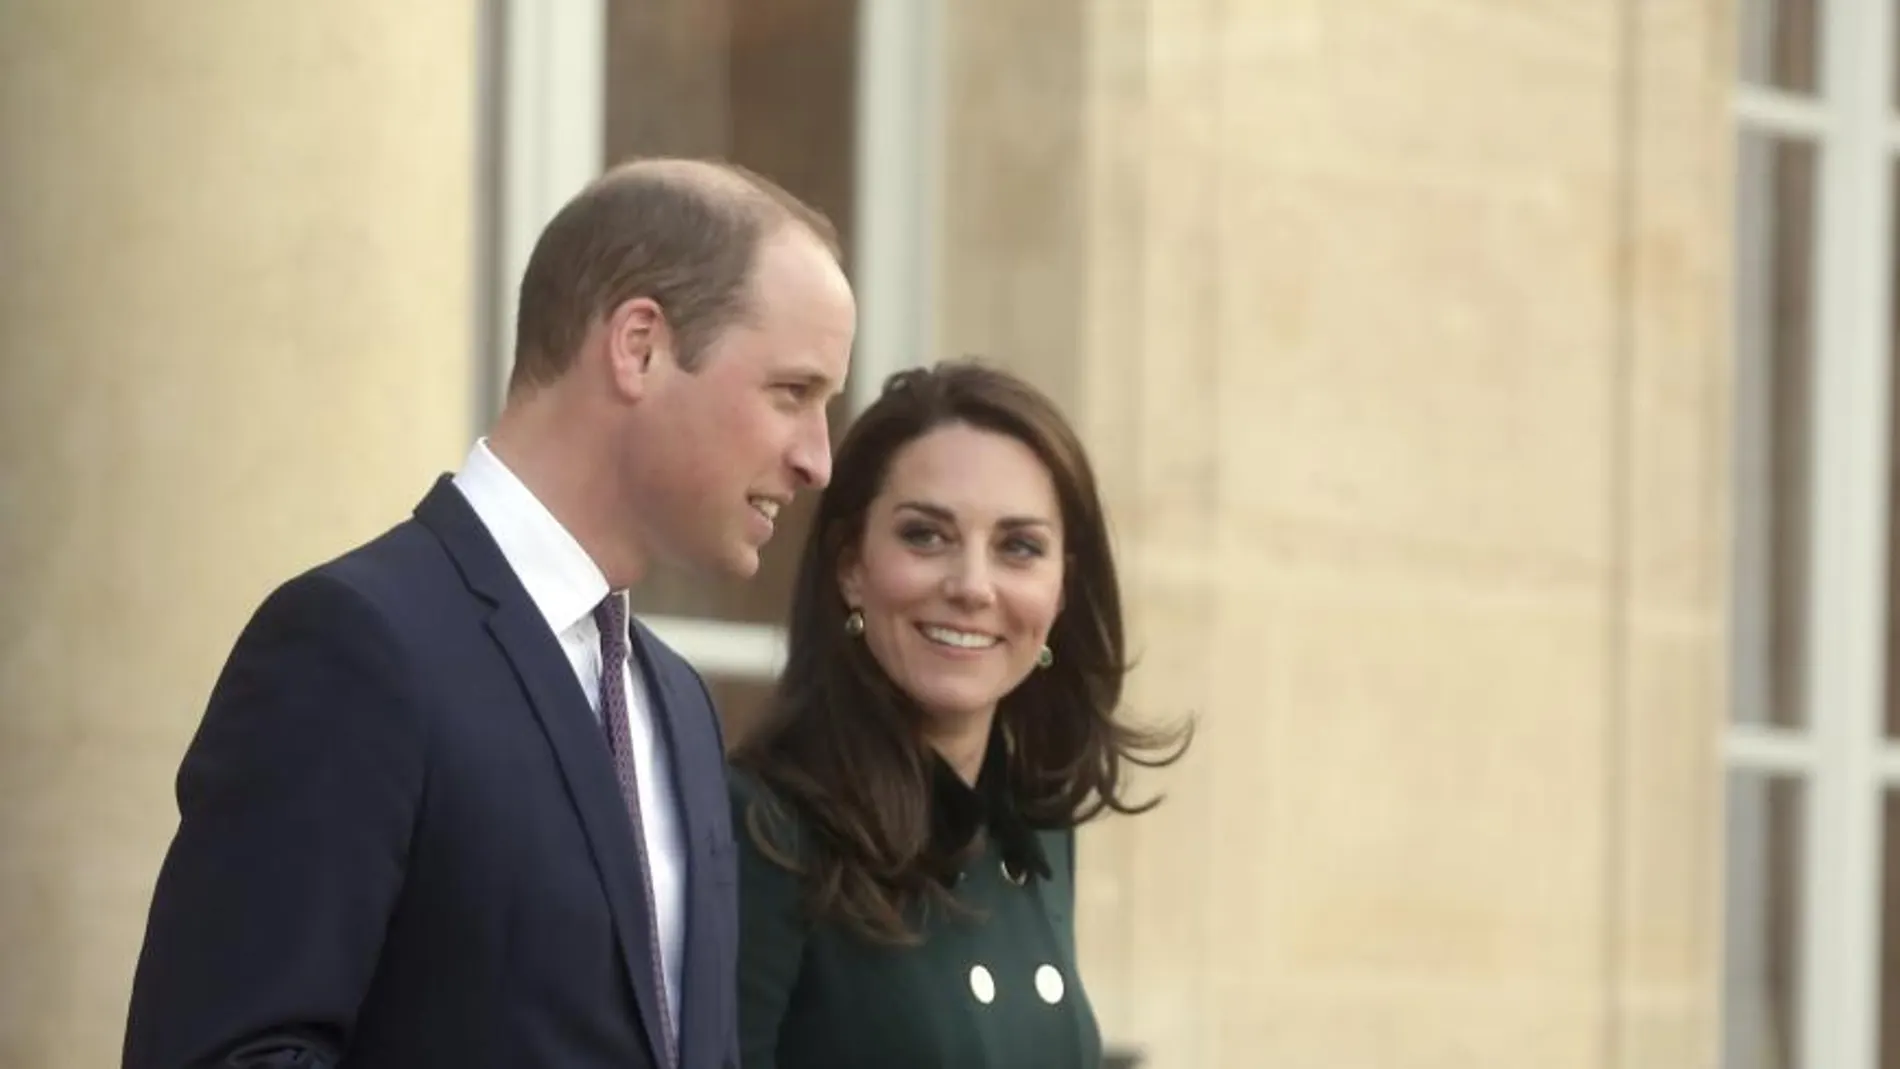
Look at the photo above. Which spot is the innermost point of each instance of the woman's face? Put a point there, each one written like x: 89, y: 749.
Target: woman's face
x: 959, y: 571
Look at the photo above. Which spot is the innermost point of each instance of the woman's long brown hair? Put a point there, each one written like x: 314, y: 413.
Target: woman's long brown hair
x: 840, y: 743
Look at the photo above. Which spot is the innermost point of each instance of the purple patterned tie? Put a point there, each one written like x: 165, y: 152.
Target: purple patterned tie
x: 611, y: 617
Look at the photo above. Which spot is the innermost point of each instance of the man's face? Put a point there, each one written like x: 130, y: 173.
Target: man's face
x: 736, y: 438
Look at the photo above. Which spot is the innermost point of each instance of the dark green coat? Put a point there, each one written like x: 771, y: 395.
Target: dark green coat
x: 994, y: 991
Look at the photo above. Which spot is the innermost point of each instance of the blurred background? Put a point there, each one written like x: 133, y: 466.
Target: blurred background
x: 1493, y: 399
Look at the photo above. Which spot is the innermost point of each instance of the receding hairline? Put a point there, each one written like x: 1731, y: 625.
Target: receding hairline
x: 688, y: 233
x: 730, y: 183
x: 707, y: 176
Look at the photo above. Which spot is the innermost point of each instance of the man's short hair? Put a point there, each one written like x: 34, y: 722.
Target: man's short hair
x: 682, y: 233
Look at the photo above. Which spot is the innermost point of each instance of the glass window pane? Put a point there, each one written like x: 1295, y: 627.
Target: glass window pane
x: 771, y: 85
x: 1762, y: 927
x: 1774, y: 234
x: 739, y: 702
x: 1780, y: 42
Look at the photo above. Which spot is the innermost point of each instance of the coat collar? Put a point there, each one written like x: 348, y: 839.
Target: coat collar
x: 961, y: 812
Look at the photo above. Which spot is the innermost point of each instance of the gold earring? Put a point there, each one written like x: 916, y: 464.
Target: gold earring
x: 1045, y: 657
x: 854, y: 623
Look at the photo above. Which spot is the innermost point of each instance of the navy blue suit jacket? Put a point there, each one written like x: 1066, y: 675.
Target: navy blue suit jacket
x: 401, y: 844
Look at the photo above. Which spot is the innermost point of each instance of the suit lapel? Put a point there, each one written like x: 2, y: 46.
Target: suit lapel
x: 571, y: 728
x: 697, y: 977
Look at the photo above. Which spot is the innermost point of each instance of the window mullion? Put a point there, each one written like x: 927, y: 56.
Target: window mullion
x: 1848, y: 507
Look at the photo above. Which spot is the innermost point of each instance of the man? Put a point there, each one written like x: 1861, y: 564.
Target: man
x: 446, y: 808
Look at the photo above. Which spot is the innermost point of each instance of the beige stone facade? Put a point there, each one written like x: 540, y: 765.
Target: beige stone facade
x: 1399, y: 335
x: 1398, y: 332
x: 235, y: 337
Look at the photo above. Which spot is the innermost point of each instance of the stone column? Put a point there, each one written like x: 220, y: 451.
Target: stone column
x: 236, y: 279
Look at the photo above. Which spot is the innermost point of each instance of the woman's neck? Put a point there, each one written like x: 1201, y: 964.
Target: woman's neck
x: 962, y: 743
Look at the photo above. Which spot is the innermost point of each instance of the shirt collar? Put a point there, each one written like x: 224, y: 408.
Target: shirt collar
x: 561, y: 579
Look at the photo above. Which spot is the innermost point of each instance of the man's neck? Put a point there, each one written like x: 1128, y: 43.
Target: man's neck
x: 550, y: 455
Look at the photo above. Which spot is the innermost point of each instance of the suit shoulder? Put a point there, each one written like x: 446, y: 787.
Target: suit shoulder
x: 374, y: 598
x: 398, y: 561
x: 404, y: 576
x: 363, y: 572
x: 322, y: 598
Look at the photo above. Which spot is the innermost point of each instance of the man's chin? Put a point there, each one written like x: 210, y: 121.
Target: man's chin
x: 742, y: 563
x: 738, y: 560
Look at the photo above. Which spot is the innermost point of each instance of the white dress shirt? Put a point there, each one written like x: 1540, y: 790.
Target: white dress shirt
x: 566, y: 585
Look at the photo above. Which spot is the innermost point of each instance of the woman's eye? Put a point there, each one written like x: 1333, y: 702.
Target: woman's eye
x: 1024, y: 548
x: 921, y: 537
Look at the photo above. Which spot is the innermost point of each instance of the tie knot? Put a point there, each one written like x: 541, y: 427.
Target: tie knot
x: 611, y: 617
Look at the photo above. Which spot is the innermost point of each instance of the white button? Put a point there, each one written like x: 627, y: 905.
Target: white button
x: 982, y: 984
x: 1049, y: 984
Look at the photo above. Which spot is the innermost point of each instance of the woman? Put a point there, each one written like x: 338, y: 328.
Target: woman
x: 906, y: 810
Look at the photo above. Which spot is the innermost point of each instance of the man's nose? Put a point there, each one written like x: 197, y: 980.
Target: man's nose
x: 811, y: 455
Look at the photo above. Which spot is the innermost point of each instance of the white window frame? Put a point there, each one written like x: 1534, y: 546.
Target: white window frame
x: 1840, y: 756
x: 551, y: 125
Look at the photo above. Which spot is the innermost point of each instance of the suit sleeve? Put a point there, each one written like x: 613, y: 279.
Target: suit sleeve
x: 772, y: 935
x: 296, y: 801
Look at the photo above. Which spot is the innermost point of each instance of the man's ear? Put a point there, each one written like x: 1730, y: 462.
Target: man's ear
x: 639, y: 340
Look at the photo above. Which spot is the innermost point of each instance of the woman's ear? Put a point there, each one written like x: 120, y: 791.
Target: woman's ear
x: 851, y: 578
